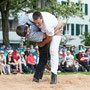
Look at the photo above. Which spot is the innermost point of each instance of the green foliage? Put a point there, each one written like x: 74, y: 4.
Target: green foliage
x: 87, y: 39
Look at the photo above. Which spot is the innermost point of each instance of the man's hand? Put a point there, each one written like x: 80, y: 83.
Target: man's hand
x: 45, y: 41
x: 40, y: 44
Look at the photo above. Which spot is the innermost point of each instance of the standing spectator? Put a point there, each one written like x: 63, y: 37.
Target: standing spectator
x: 21, y: 48
x: 6, y: 51
x: 31, y: 62
x: 16, y: 59
x: 83, y: 60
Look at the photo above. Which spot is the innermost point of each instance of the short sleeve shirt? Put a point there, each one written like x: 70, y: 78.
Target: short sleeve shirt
x: 49, y: 23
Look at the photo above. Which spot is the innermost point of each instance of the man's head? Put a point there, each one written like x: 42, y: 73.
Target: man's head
x: 37, y: 18
x: 22, y: 30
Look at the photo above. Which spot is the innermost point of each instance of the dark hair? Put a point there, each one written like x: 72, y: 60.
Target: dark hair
x: 21, y: 30
x: 37, y: 15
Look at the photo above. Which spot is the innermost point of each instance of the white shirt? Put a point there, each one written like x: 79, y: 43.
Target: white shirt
x: 49, y: 23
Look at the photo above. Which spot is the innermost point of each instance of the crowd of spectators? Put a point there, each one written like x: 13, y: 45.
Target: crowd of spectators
x: 25, y: 59
x: 70, y: 61
x: 21, y: 60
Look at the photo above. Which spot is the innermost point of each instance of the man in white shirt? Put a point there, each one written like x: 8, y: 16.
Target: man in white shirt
x: 47, y: 23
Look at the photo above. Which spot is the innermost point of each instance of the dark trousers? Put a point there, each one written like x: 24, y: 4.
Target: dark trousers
x: 25, y: 69
x: 31, y: 67
x: 85, y: 65
x: 44, y: 54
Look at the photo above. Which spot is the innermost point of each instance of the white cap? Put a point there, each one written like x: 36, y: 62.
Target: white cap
x: 22, y: 52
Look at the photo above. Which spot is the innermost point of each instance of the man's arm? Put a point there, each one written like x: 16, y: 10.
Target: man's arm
x: 59, y: 27
x: 45, y: 41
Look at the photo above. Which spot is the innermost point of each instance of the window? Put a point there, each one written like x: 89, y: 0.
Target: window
x: 86, y: 28
x: 86, y: 9
x: 77, y: 29
x: 72, y: 29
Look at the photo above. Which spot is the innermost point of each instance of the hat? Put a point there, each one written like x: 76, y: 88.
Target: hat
x: 30, y: 52
x: 80, y: 51
x: 36, y: 47
x: 7, y: 48
x: 1, y: 48
x: 68, y: 51
x: 17, y: 48
x: 22, y: 52
x: 1, y: 51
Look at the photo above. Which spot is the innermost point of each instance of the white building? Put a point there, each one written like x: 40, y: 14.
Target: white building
x: 76, y: 26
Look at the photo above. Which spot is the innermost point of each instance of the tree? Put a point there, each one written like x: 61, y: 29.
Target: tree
x: 14, y: 6
x: 86, y: 39
x: 7, y: 6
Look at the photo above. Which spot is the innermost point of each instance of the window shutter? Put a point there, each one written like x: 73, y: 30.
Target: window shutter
x: 64, y: 30
x: 72, y: 29
x: 63, y: 3
x: 77, y: 30
x: 86, y: 28
x: 86, y: 9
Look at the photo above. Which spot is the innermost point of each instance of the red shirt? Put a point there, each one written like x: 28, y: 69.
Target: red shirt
x: 16, y: 58
x: 14, y: 53
x: 30, y: 59
x: 80, y: 56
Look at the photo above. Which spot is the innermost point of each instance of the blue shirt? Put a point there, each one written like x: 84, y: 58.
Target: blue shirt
x: 35, y: 34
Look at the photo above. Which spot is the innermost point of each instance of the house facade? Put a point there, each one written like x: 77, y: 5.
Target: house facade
x: 75, y: 27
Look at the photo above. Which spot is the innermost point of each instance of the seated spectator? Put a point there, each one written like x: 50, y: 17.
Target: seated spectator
x: 10, y: 61
x: 2, y: 62
x: 70, y: 64
x: 72, y: 48
x: 32, y: 49
x: 64, y: 48
x: 62, y: 63
x: 74, y: 55
x: 16, y: 51
x: 27, y: 53
x: 6, y: 51
x: 89, y: 56
x: 17, y: 62
x: 10, y: 48
x: 83, y: 60
x: 83, y: 48
x: 23, y: 63
x: 31, y: 62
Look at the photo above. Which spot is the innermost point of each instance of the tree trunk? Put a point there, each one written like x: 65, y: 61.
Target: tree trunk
x: 5, y: 13
x: 42, y: 3
x: 5, y: 28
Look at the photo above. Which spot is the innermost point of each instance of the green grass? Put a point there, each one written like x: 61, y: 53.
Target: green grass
x: 69, y: 73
